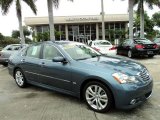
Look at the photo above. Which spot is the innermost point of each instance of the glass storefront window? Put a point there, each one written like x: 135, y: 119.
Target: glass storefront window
x: 39, y: 29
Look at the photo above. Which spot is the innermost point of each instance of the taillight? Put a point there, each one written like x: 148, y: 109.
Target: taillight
x: 113, y: 48
x: 139, y: 46
x: 97, y: 49
x: 155, y: 46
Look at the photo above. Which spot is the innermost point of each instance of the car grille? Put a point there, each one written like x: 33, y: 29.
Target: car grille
x: 144, y: 75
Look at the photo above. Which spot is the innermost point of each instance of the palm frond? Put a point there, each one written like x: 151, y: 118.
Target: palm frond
x: 31, y: 4
x: 5, y: 5
x: 56, y: 3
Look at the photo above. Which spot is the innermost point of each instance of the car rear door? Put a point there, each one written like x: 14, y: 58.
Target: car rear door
x: 56, y: 74
x: 30, y: 62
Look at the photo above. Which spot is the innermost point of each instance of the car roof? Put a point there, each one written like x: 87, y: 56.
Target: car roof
x: 100, y: 41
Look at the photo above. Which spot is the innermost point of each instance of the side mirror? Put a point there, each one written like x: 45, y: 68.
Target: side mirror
x: 59, y: 59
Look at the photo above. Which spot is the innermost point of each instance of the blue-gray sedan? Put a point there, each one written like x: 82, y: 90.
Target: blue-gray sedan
x: 76, y: 69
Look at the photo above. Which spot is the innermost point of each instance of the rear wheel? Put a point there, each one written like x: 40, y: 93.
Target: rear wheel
x: 130, y: 54
x: 20, y: 78
x: 97, y: 96
x: 150, y: 56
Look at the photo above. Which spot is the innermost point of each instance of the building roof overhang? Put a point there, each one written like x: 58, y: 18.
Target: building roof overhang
x: 34, y: 21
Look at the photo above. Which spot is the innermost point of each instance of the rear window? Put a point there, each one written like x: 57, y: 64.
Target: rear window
x: 142, y: 41
x: 102, y: 43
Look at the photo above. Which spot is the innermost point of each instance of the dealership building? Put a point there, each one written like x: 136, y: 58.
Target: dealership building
x: 79, y: 28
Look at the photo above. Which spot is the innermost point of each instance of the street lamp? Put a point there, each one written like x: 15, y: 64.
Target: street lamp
x: 103, y: 26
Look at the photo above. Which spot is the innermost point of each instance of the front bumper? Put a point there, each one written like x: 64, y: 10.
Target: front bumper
x: 3, y: 60
x: 129, y: 93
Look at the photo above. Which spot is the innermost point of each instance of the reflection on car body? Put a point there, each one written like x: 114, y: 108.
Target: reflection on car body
x: 79, y: 70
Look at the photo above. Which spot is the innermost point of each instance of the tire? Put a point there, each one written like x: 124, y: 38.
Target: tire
x: 99, y: 100
x: 5, y: 64
x: 150, y: 56
x: 20, y: 78
x: 129, y: 54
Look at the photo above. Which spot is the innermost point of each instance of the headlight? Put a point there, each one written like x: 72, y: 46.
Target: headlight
x: 123, y: 78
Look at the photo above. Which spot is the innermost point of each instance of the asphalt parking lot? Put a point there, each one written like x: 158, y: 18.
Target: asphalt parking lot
x: 34, y: 103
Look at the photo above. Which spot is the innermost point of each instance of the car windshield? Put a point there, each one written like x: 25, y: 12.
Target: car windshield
x: 102, y: 43
x: 78, y: 51
x: 142, y: 41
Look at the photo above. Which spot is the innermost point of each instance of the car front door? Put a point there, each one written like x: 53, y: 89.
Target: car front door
x: 56, y: 74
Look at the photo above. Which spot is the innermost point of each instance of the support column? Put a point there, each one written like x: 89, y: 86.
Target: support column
x: 97, y: 31
x: 66, y: 31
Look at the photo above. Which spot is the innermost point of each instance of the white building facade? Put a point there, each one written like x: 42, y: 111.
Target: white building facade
x: 81, y: 28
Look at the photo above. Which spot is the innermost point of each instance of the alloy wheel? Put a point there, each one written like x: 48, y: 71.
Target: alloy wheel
x: 96, y: 97
x: 19, y: 78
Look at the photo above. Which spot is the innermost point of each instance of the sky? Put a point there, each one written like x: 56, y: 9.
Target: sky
x: 66, y: 8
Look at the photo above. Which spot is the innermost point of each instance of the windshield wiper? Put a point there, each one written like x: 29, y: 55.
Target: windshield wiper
x: 83, y: 58
x: 95, y: 56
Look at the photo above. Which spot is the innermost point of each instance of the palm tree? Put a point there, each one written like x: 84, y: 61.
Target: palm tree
x: 150, y: 4
x: 5, y: 5
x: 131, y: 3
x: 50, y: 4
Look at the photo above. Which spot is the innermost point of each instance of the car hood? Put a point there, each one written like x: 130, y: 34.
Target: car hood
x: 116, y: 64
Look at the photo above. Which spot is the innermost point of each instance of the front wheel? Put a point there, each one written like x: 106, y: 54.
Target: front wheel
x: 98, y: 97
x: 20, y: 78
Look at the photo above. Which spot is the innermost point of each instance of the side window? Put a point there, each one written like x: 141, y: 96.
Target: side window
x: 34, y: 51
x: 9, y: 48
x: 124, y: 43
x: 49, y: 52
x: 90, y: 43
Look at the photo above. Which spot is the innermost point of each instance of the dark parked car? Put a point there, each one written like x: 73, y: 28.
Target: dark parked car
x: 157, y: 41
x: 9, y: 50
x: 79, y: 70
x: 137, y: 47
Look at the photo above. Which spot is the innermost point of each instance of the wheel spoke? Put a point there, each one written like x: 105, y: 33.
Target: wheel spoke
x: 100, y: 104
x: 90, y: 92
x: 96, y: 88
x: 103, y: 100
x: 99, y: 90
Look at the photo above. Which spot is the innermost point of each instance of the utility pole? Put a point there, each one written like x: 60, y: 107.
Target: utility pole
x: 103, y: 26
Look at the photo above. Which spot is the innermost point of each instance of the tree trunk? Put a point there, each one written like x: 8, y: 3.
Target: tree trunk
x: 51, y: 21
x: 131, y: 2
x: 19, y: 16
x: 142, y: 20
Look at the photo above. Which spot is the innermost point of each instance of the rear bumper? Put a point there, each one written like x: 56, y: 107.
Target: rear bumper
x: 146, y: 52
x: 3, y: 60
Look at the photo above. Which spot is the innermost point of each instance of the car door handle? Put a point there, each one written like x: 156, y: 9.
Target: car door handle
x: 23, y: 60
x: 42, y: 64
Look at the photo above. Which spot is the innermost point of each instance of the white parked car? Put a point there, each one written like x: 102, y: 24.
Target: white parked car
x: 104, y: 47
